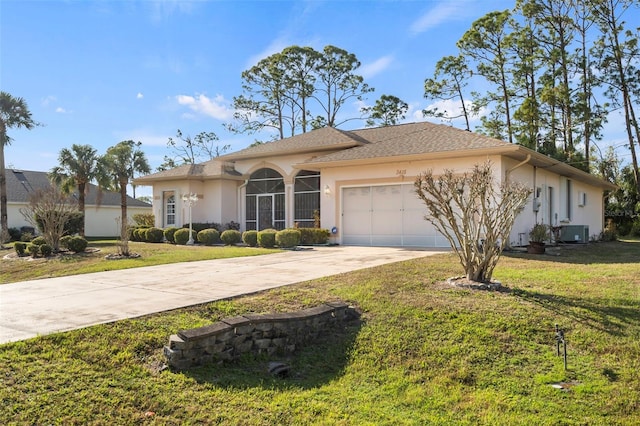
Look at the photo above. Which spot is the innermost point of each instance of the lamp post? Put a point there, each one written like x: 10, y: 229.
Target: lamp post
x: 190, y: 200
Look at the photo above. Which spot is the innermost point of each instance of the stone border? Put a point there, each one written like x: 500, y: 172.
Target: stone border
x: 268, y: 334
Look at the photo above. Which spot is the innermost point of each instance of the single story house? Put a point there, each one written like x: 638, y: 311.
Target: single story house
x: 360, y: 183
x: 101, y: 219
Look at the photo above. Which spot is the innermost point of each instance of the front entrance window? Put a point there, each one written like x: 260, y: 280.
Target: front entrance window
x: 265, y: 201
x: 170, y: 209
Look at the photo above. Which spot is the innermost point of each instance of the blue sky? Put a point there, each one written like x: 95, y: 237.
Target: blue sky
x: 99, y: 72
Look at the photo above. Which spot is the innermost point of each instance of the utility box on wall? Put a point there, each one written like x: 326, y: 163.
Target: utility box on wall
x: 574, y: 234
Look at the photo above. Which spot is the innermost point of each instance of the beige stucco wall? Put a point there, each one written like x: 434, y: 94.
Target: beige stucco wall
x: 99, y: 222
x: 550, y: 209
x: 337, y: 178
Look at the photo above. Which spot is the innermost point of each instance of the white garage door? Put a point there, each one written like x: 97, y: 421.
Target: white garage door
x: 387, y: 215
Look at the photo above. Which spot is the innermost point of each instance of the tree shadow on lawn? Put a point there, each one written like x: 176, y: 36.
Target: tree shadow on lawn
x: 311, y: 366
x: 585, y: 254
x: 612, y: 317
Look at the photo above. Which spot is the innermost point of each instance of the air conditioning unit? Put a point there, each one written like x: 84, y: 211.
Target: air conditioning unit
x: 574, y: 234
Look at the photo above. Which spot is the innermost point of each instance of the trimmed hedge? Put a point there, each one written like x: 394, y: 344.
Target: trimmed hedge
x: 33, y: 249
x: 199, y: 226
x: 231, y: 237
x: 38, y: 241
x: 208, y: 236
x: 20, y: 247
x: 154, y: 235
x: 77, y: 244
x: 288, y: 238
x: 64, y: 241
x: 267, y: 238
x: 309, y: 236
x: 46, y: 250
x: 181, y: 236
x: 168, y: 234
x: 250, y: 238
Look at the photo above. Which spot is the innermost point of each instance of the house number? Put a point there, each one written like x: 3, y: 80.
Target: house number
x: 401, y: 172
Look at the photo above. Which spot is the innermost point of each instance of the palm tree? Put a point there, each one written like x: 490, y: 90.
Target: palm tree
x: 119, y: 164
x: 14, y: 113
x: 78, y: 167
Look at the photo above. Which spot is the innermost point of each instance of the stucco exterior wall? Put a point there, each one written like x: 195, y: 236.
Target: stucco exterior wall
x: 99, y: 221
x: 337, y: 178
x: 550, y: 199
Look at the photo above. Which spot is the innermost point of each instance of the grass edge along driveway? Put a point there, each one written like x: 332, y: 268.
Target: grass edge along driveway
x: 425, y: 353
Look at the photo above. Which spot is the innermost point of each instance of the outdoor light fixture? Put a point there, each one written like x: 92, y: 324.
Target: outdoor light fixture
x: 327, y: 190
x: 190, y: 200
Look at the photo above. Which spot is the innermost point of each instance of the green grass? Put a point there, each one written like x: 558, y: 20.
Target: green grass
x: 150, y: 254
x: 425, y: 353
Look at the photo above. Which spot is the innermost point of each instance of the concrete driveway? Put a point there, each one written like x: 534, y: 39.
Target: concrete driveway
x: 38, y: 307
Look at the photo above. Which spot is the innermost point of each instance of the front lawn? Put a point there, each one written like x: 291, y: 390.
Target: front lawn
x: 425, y: 353
x: 21, y: 269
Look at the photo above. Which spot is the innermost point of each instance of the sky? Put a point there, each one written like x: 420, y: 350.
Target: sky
x: 100, y: 72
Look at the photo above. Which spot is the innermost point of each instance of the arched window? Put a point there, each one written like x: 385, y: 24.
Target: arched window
x: 265, y: 200
x: 307, y: 198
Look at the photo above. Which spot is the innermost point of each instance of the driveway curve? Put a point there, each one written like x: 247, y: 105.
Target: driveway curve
x: 45, y: 306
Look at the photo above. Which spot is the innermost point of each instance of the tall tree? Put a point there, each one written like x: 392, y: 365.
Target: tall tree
x: 120, y: 163
x: 337, y: 84
x: 14, y: 113
x: 451, y: 76
x: 617, y: 52
x: 187, y: 150
x: 487, y: 42
x: 387, y: 111
x: 78, y: 167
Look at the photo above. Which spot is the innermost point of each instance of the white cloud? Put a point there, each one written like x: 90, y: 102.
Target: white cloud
x: 61, y: 110
x: 139, y: 96
x: 453, y: 108
x: 376, y: 67
x: 440, y: 14
x: 48, y: 100
x: 218, y: 107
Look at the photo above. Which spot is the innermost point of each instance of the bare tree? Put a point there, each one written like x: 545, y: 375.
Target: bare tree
x: 474, y: 213
x: 49, y: 210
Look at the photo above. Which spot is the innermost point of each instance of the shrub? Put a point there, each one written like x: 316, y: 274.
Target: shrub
x: 309, y: 236
x: 14, y: 234
x: 46, y: 250
x: 250, y: 238
x: 33, y: 249
x: 154, y: 235
x: 181, y: 236
x: 208, y: 236
x: 144, y: 219
x: 267, y: 238
x: 38, y: 241
x: 77, y: 244
x: 232, y: 225
x: 168, y: 234
x: 231, y: 237
x: 26, y: 237
x: 140, y: 233
x: 64, y: 241
x: 20, y: 247
x: 288, y: 238
x: 199, y: 226
x: 635, y: 228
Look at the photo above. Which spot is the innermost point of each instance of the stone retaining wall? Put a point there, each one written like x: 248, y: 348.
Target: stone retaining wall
x: 259, y: 334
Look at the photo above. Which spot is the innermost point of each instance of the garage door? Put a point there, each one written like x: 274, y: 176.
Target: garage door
x: 386, y: 215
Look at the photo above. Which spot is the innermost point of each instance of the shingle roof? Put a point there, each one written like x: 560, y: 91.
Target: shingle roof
x: 411, y: 139
x: 209, y: 169
x: 326, y: 138
x: 22, y: 183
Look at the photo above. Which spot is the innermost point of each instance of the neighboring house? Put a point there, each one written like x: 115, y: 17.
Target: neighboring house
x: 361, y: 183
x: 100, y: 218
